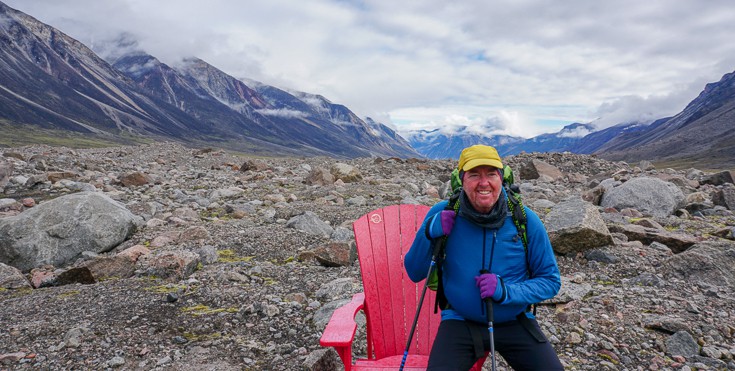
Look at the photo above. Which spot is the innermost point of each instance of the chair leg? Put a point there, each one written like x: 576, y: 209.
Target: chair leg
x: 345, y: 353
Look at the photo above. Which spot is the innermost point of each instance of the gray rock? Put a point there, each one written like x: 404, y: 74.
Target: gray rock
x: 230, y: 192
x: 74, y: 337
x: 323, y: 359
x: 708, y: 262
x: 705, y: 363
x: 324, y: 313
x: 346, y: 173
x: 320, y: 177
x: 542, y: 204
x: 57, y: 231
x: 650, y: 196
x: 6, y: 170
x: 12, y: 278
x: 570, y: 291
x: 6, y: 203
x: 681, y: 344
x: 536, y: 169
x: 725, y: 196
x: 77, y: 186
x: 208, y: 254
x: 342, y: 234
x: 308, y: 222
x: 674, y: 241
x: 339, y: 288
x: 173, y: 265
x: 646, y: 165
x: 718, y: 178
x: 601, y: 255
x: 115, y: 362
x: 575, y: 225
x: 667, y: 324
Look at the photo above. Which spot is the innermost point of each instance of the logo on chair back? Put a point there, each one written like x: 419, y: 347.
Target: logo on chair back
x: 376, y: 218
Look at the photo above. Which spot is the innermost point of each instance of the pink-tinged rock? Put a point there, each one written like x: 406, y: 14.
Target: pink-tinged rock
x: 167, y: 238
x: 134, y: 252
x: 55, y: 176
x: 336, y: 254
x: 174, y: 265
x: 43, y: 276
x: 135, y: 179
x: 102, y: 267
x: 121, y: 265
x: 9, y: 358
x: 194, y: 233
x: 28, y: 202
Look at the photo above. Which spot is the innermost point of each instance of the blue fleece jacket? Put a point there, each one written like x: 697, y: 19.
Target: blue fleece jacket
x: 470, y: 249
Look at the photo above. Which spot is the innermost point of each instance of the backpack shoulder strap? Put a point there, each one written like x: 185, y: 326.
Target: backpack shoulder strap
x: 441, y: 299
x: 518, y: 212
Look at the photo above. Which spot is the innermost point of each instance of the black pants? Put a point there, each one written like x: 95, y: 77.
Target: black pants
x: 457, y: 347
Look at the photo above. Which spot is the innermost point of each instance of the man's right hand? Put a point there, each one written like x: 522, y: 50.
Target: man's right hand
x: 442, y: 224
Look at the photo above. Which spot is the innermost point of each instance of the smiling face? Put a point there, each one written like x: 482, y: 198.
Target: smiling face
x: 482, y: 185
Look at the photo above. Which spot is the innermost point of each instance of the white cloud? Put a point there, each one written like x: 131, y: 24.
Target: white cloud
x: 634, y: 108
x: 283, y: 112
x: 520, y: 63
x: 577, y: 132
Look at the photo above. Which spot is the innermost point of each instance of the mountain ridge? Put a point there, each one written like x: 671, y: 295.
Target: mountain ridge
x: 52, y: 81
x: 701, y: 135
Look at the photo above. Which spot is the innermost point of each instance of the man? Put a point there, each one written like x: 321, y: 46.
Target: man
x: 485, y: 259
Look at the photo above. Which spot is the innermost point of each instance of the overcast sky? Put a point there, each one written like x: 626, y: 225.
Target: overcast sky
x: 520, y: 67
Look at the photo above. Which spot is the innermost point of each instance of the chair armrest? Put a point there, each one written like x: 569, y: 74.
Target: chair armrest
x: 340, y: 330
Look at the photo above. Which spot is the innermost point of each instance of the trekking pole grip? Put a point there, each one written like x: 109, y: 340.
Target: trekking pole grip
x: 488, y: 303
x: 490, y: 315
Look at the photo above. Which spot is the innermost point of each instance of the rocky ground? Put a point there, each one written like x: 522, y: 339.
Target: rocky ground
x: 263, y: 285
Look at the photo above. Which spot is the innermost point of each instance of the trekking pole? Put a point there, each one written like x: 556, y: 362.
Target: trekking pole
x: 435, y: 246
x: 489, y: 314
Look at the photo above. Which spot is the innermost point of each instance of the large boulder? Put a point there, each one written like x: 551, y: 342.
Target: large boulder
x: 57, y: 231
x: 309, y: 223
x: 676, y: 242
x: 575, y: 225
x: 720, y: 178
x: 712, y: 263
x: 651, y: 196
x: 537, y: 169
x: 725, y: 196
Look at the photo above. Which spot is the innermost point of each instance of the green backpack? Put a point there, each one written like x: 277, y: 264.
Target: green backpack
x: 515, y: 206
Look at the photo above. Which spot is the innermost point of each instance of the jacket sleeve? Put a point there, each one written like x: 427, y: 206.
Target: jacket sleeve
x: 545, y: 279
x: 418, y: 257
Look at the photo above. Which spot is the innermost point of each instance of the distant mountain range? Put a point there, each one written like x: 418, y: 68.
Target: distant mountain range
x: 51, y: 81
x: 702, y: 135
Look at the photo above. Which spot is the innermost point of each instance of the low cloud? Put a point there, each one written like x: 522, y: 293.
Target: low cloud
x: 282, y: 112
x: 637, y: 109
x: 577, y: 132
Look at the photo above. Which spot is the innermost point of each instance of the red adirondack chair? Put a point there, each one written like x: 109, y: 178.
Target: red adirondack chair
x: 389, y: 299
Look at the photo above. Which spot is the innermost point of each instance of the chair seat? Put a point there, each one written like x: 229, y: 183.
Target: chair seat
x: 413, y: 363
